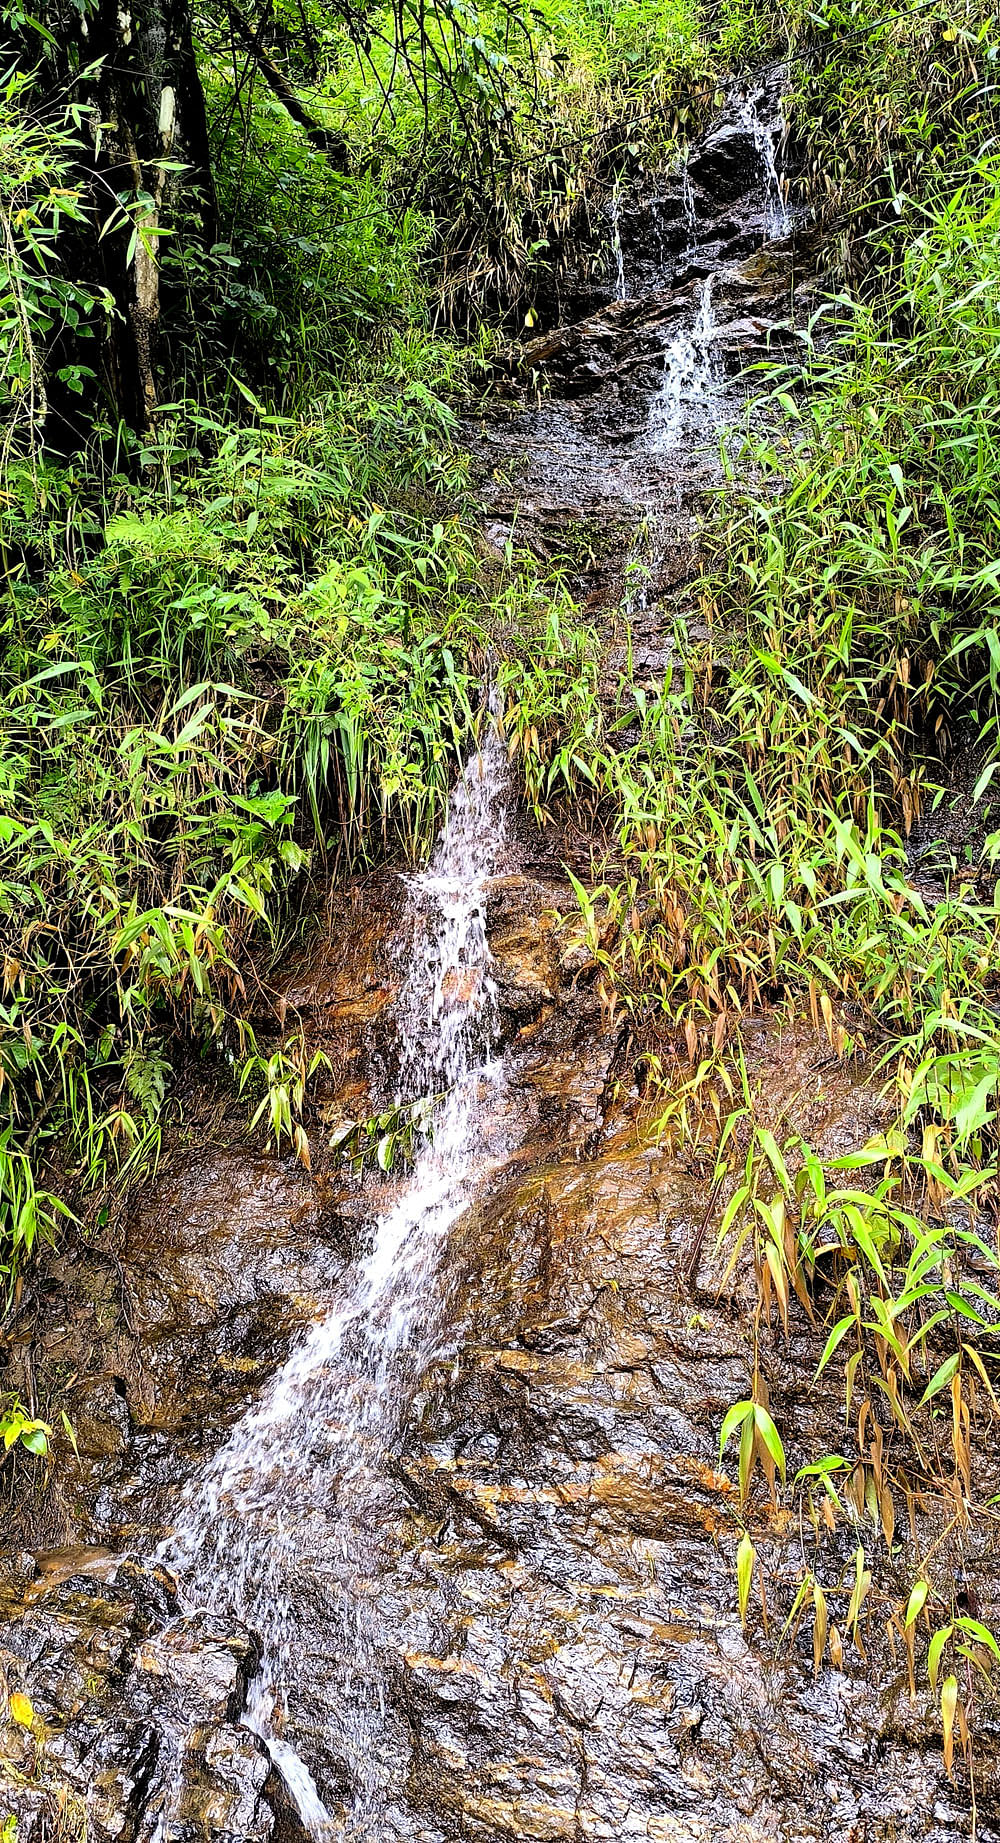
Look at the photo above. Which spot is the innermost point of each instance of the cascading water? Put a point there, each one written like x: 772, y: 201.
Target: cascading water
x: 688, y: 376
x: 289, y: 1505
x: 687, y: 200
x: 777, y: 219
x: 616, y: 248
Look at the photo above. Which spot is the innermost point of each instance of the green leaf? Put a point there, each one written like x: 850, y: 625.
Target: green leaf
x: 746, y: 1454
x: 916, y: 1601
x: 976, y: 1629
x: 746, y: 1555
x: 735, y: 1418
x: 770, y: 1436
x: 934, y: 1650
x: 942, y: 1377
x: 840, y: 1330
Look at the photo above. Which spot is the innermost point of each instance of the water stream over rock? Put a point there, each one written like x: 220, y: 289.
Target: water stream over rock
x: 399, y: 1516
x: 296, y: 1485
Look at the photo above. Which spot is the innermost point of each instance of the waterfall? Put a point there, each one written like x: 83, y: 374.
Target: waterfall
x: 292, y: 1494
x: 688, y: 376
x: 690, y: 216
x: 778, y: 221
x: 616, y: 248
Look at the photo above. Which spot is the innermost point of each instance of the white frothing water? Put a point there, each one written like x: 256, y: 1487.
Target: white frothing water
x: 690, y: 215
x: 689, y: 375
x: 287, y: 1506
x: 616, y: 248
x: 778, y: 221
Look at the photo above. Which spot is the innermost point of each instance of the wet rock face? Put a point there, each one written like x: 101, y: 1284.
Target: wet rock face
x: 612, y: 415
x: 725, y: 166
x: 128, y: 1697
x: 589, y: 1676
x: 173, y: 1329
x: 541, y: 1638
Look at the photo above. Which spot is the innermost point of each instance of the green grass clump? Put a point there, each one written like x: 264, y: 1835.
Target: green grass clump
x: 767, y: 800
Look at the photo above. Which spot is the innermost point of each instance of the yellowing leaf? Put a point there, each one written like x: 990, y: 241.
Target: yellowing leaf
x: 934, y: 1650
x: 745, y: 1557
x: 949, y: 1703
x: 21, y: 1710
x: 819, y: 1627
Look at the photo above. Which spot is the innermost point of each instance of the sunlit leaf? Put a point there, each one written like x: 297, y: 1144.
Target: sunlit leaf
x: 746, y: 1555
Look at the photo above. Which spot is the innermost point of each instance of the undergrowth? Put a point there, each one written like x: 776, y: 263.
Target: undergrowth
x: 805, y: 820
x: 245, y: 645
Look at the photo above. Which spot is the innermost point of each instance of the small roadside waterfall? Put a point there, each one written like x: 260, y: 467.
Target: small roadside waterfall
x: 688, y: 376
x: 617, y: 251
x: 778, y: 221
x: 690, y: 214
x: 293, y: 1492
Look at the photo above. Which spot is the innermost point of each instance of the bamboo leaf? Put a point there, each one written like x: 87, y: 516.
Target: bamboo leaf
x: 746, y: 1555
x: 942, y: 1377
x: 949, y: 1703
x: 770, y: 1436
x: 839, y: 1332
x: 934, y: 1650
x: 734, y: 1418
x: 916, y: 1601
x: 819, y: 1627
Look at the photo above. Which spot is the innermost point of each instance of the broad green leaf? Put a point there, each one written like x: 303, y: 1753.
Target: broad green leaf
x: 942, y: 1377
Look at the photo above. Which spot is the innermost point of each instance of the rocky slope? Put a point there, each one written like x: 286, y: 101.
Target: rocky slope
x: 543, y: 1596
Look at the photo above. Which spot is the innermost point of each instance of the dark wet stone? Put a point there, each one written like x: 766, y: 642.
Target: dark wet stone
x: 725, y: 165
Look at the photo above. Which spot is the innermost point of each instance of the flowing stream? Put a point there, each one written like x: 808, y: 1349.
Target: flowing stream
x: 621, y: 293
x: 281, y: 1529
x: 778, y: 221
x: 689, y: 375
x: 295, y: 1488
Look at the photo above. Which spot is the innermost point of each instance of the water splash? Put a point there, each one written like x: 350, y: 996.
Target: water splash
x: 618, y: 253
x: 765, y: 137
x: 689, y: 377
x: 288, y: 1507
x: 690, y: 214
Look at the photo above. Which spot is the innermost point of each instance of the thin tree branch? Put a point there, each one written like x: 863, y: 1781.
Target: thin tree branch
x: 331, y: 145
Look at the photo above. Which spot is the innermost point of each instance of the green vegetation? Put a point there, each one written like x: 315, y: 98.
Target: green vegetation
x: 246, y: 615
x: 769, y: 812
x: 245, y: 609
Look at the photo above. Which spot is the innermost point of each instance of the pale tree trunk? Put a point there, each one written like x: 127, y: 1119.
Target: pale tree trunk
x: 126, y: 70
x: 148, y: 124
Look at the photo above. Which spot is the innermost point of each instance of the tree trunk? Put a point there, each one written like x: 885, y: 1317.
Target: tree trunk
x: 128, y: 69
x: 152, y: 123
x: 332, y: 145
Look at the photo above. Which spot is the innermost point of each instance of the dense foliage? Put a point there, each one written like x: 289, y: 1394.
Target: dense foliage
x: 808, y: 820
x: 245, y: 611
x: 245, y: 616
